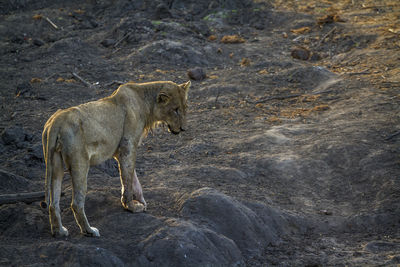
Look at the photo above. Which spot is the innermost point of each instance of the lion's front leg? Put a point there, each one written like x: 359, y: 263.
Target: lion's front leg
x: 132, y: 194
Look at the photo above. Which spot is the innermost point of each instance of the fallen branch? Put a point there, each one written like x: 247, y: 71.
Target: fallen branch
x: 392, y: 135
x: 123, y: 38
x: 51, y: 23
x: 326, y: 35
x: 88, y: 84
x: 21, y: 197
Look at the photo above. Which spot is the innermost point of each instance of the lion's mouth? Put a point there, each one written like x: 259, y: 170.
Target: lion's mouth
x: 172, y: 131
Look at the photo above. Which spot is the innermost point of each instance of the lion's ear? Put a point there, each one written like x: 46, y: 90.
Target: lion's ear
x: 186, y: 87
x: 162, y: 98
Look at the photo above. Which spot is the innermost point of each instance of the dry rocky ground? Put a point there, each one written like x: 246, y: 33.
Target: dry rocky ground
x: 292, y: 152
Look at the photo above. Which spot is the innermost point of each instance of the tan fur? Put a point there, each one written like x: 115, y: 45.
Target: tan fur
x: 91, y: 133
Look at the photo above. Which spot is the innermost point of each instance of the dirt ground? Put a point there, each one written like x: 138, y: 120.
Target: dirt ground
x: 291, y: 156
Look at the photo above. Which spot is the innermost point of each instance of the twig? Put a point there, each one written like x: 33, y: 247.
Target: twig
x: 358, y: 73
x: 216, y: 99
x: 51, y: 23
x: 392, y: 135
x: 123, y: 38
x: 82, y: 80
x: 112, y: 82
x: 326, y: 35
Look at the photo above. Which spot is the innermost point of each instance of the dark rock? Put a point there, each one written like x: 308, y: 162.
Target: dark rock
x: 76, y: 255
x: 197, y: 74
x: 38, y: 42
x: 228, y: 217
x: 162, y: 11
x: 200, y: 27
x: 308, y: 77
x: 181, y: 243
x: 201, y: 8
x: 36, y: 151
x: 315, y: 57
x: 380, y: 246
x: 172, y: 52
x: 14, y: 135
x: 17, y: 39
x: 12, y: 183
x: 301, y: 53
x: 108, y: 42
x: 88, y: 24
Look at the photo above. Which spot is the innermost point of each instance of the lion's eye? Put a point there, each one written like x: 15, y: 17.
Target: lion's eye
x: 177, y: 111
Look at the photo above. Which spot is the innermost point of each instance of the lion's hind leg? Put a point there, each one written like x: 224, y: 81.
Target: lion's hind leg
x: 79, y: 173
x: 54, y: 207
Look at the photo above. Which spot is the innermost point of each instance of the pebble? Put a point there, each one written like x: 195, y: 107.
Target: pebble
x: 108, y: 42
x: 301, y: 53
x: 38, y: 42
x: 197, y: 74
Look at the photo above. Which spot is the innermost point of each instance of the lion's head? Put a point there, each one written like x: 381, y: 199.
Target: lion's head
x: 171, y: 106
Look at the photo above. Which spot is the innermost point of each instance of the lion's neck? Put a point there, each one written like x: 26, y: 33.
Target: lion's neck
x: 144, y: 97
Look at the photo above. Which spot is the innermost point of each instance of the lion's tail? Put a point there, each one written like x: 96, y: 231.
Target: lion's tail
x: 49, y: 138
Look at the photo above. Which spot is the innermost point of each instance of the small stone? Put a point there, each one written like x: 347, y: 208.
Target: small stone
x: 14, y: 135
x: 36, y: 151
x: 315, y: 57
x: 108, y: 42
x: 197, y: 74
x: 245, y: 62
x: 162, y: 11
x: 38, y: 42
x: 301, y: 53
x: 326, y: 212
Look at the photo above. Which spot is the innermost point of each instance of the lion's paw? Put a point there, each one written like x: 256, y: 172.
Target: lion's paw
x: 135, y: 206
x: 93, y: 232
x: 62, y: 232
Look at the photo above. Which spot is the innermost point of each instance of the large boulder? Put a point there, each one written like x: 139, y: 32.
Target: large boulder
x: 181, y: 243
x: 172, y: 52
x: 250, y: 231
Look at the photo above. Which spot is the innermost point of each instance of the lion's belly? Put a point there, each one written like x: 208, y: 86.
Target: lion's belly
x: 99, y: 152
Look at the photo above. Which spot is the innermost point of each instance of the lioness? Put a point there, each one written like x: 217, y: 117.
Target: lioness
x: 91, y: 133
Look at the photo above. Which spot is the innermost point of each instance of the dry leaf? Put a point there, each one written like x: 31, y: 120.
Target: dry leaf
x: 245, y: 62
x: 36, y: 80
x: 232, y: 39
x: 37, y: 16
x: 212, y: 38
x: 301, y: 30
